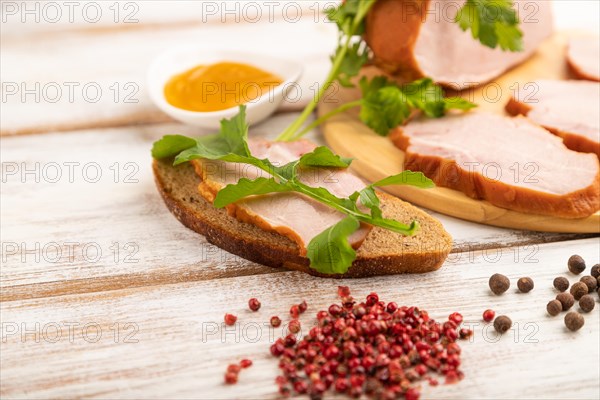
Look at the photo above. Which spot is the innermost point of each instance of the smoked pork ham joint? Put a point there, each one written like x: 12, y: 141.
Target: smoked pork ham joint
x: 510, y: 162
x: 569, y: 109
x: 412, y: 39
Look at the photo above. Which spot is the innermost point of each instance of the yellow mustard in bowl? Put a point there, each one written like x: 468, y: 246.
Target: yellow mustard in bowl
x: 219, y: 86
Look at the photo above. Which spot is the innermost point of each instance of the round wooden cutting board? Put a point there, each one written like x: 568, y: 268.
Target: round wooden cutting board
x: 376, y: 157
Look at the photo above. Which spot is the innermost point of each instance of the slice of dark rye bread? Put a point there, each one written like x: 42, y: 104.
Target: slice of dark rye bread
x: 383, y: 252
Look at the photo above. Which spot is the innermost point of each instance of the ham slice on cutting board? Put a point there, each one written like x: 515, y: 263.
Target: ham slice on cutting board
x: 583, y: 57
x: 510, y: 162
x: 290, y: 214
x: 415, y: 38
x: 569, y: 109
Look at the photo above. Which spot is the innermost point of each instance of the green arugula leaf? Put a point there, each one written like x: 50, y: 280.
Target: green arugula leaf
x: 493, y: 22
x: 171, y: 145
x: 396, y: 226
x: 369, y: 199
x: 246, y: 187
x: 234, y: 133
x: 417, y: 179
x: 323, y: 157
x: 330, y: 252
x: 230, y: 144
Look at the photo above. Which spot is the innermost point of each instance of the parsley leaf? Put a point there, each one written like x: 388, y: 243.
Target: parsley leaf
x: 356, y: 56
x: 493, y: 22
x: 385, y: 105
x: 349, y: 16
x: 330, y: 252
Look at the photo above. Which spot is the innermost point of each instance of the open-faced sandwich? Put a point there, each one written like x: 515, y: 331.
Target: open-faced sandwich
x: 294, y: 205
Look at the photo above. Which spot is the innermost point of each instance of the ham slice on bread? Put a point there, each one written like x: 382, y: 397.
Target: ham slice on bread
x: 583, y: 58
x: 382, y: 252
x: 569, y: 109
x: 510, y: 162
x: 412, y: 39
x: 293, y: 215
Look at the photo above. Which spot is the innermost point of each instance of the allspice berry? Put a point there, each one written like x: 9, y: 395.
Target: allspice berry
x: 525, y: 285
x: 554, y: 307
x: 576, y: 264
x: 590, y: 282
x: 574, y: 321
x: 502, y: 324
x: 561, y: 283
x: 579, y: 289
x: 595, y: 271
x: 587, y: 303
x: 566, y: 300
x: 499, y: 283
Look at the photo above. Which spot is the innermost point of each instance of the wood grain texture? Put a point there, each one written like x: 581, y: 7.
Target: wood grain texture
x: 144, y: 14
x: 68, y: 233
x: 377, y: 157
x: 96, y: 84
x: 170, y: 339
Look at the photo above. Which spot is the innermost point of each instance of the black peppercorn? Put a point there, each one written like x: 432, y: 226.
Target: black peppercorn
x: 554, y: 307
x: 595, y: 271
x: 576, y: 264
x: 574, y: 321
x: 561, y: 283
x: 525, y: 285
x: 590, y: 282
x: 587, y: 303
x: 566, y: 299
x: 579, y: 289
x: 499, y: 283
x: 502, y: 324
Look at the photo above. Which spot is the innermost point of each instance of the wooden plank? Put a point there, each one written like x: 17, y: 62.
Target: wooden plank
x: 32, y: 17
x: 166, y: 345
x: 97, y: 84
x: 115, y: 232
x: 377, y: 157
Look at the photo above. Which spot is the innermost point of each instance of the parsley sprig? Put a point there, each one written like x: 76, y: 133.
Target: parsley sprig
x: 385, y: 105
x: 493, y: 22
x: 350, y: 55
x: 330, y: 251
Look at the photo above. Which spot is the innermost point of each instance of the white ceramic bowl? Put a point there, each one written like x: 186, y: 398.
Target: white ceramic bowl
x: 184, y: 57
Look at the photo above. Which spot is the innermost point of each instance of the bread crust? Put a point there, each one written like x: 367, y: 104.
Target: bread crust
x: 178, y: 188
x: 573, y: 141
x: 447, y: 173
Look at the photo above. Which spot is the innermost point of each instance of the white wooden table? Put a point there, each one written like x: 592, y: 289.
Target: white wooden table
x: 105, y: 295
